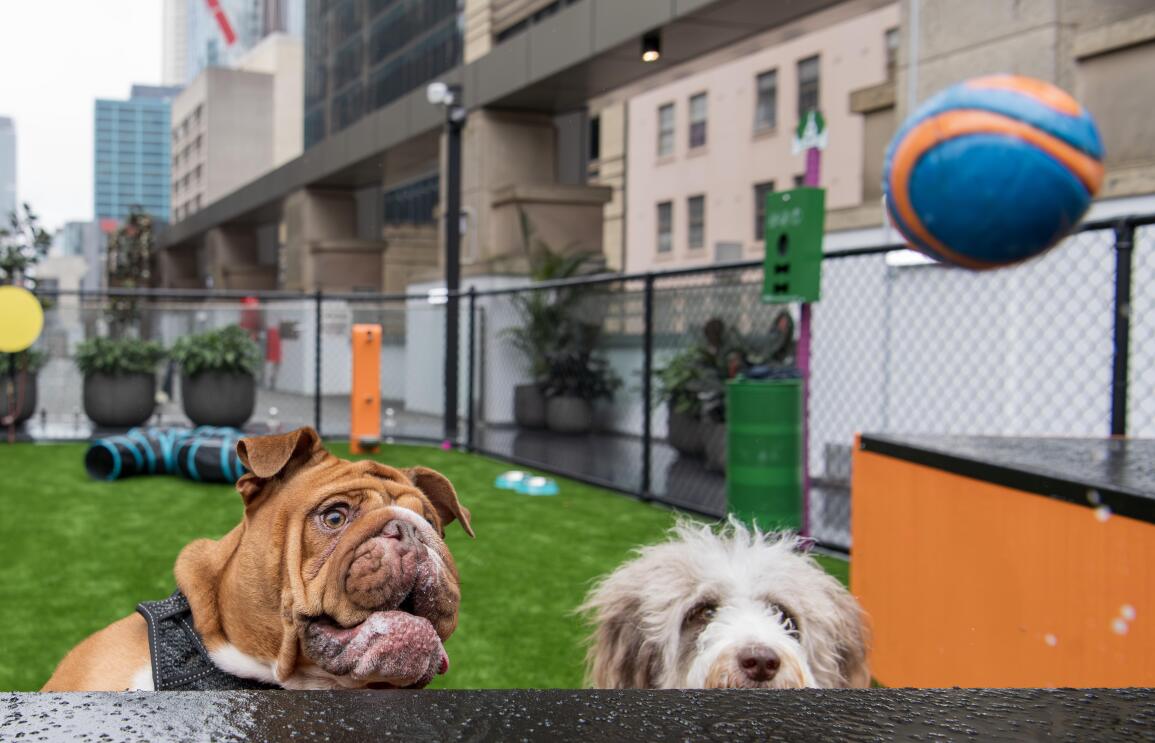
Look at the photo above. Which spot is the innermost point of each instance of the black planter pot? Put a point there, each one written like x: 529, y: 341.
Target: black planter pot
x: 215, y: 398
x: 528, y: 406
x: 119, y: 400
x: 569, y: 415
x: 684, y: 433
x: 25, y: 396
x: 714, y: 444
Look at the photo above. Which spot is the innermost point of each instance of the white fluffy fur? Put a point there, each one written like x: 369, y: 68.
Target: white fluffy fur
x: 640, y: 611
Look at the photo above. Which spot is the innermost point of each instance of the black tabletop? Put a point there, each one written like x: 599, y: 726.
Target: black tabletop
x: 874, y: 714
x: 1118, y: 474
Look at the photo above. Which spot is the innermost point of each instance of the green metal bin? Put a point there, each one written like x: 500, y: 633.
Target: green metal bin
x: 764, y: 452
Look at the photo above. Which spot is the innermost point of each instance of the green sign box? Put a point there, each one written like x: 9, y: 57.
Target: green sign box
x: 795, y: 222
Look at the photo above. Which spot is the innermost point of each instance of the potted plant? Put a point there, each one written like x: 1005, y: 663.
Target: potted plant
x: 18, y: 384
x: 678, y: 383
x: 575, y: 379
x: 770, y: 354
x: 218, y: 376
x: 543, y: 315
x: 119, y: 379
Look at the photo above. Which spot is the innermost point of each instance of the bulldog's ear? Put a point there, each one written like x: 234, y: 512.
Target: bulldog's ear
x: 441, y: 494
x: 266, y: 456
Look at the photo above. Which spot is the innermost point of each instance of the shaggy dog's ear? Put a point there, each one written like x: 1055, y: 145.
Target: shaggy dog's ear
x: 853, y: 639
x: 620, y: 655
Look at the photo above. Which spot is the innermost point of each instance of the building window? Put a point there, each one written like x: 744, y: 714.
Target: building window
x: 807, y: 86
x: 761, y: 191
x: 595, y: 151
x: 696, y: 221
x: 800, y: 180
x: 698, y: 120
x: 666, y: 130
x: 412, y: 204
x: 666, y: 227
x: 891, y: 52
x: 766, y: 103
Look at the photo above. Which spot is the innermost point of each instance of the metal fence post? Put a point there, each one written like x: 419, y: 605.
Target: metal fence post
x: 647, y: 383
x: 1121, y: 361
x: 471, y: 360
x: 317, y: 361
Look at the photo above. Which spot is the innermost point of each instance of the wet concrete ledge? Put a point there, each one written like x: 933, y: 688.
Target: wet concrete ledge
x: 955, y: 714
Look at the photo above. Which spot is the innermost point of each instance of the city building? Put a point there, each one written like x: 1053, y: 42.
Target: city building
x: 231, y: 125
x: 218, y: 33
x: 174, y: 42
x: 569, y: 133
x: 362, y: 56
x: 709, y: 139
x: 83, y: 240
x: 132, y: 151
x: 8, y: 202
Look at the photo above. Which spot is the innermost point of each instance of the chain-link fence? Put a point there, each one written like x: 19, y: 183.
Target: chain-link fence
x: 601, y: 379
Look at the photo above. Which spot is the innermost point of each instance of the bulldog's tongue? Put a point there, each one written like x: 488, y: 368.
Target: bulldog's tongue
x: 391, y: 646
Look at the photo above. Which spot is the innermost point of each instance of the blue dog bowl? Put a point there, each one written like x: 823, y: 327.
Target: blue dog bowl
x: 537, y: 486
x: 510, y: 480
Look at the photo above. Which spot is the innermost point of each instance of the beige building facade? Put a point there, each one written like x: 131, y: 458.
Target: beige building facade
x: 703, y: 149
x: 230, y: 126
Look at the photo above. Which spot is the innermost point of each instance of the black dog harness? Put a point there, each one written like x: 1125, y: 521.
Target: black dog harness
x: 180, y: 661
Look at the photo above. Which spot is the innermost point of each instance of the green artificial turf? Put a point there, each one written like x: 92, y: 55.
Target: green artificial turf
x: 76, y: 554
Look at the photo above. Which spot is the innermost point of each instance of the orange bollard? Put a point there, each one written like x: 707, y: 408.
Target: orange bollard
x: 365, y: 397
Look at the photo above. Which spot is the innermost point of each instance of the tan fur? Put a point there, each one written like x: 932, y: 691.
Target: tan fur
x: 249, y: 588
x: 107, y: 660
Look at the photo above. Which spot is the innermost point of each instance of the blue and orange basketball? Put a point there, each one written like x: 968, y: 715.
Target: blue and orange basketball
x: 992, y: 171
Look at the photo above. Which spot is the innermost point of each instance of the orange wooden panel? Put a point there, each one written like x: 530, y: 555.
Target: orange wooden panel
x: 365, y: 395
x: 969, y: 583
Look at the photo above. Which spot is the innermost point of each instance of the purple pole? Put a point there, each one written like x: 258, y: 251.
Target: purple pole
x: 813, y: 170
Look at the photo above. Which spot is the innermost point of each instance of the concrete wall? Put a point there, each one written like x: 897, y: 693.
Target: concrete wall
x: 283, y: 57
x: 240, y: 111
x: 736, y: 157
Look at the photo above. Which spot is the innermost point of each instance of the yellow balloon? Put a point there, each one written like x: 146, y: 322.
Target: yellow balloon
x: 21, y: 319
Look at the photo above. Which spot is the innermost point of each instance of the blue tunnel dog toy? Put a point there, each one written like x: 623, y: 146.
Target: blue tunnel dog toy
x: 205, y: 454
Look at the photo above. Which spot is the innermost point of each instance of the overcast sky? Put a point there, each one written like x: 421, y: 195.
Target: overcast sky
x: 57, y: 57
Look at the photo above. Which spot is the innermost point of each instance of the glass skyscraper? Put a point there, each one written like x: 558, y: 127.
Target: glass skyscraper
x: 361, y: 55
x: 133, y: 154
x: 207, y: 44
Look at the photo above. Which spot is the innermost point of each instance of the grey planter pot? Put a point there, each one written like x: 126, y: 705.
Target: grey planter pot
x: 714, y: 442
x: 569, y: 415
x: 214, y: 398
x: 119, y: 400
x: 684, y: 433
x: 528, y: 406
x: 25, y: 397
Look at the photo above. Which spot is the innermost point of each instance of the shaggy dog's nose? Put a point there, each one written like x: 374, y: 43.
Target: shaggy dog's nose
x: 759, y: 663
x: 400, y: 530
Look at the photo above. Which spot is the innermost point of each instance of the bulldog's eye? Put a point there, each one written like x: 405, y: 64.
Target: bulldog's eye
x: 335, y: 517
x: 702, y: 613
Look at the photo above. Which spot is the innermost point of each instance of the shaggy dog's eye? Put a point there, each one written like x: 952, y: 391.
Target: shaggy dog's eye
x: 786, y: 619
x: 703, y: 612
x: 335, y: 517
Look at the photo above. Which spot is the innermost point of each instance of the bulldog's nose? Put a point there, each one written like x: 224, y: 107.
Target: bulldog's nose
x: 400, y: 530
x: 759, y: 663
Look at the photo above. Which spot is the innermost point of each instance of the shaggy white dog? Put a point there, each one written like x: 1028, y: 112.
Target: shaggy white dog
x: 728, y: 607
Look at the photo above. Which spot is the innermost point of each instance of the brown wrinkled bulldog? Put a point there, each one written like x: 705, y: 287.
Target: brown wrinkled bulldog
x: 336, y: 577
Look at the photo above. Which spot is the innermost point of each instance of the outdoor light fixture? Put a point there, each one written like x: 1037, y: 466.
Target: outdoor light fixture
x: 449, y: 97
x: 652, y: 46
x: 439, y: 93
